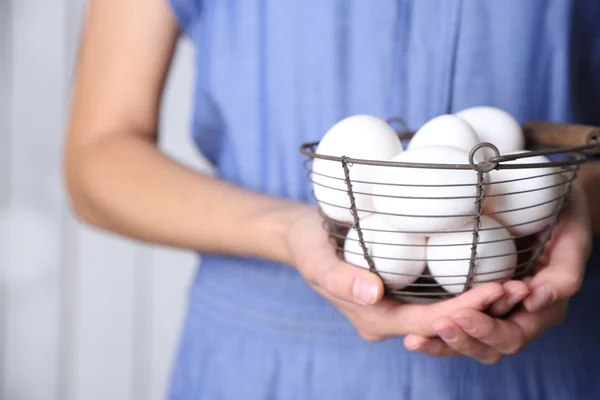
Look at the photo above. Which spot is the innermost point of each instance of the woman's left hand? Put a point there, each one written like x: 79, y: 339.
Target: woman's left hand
x: 487, y: 338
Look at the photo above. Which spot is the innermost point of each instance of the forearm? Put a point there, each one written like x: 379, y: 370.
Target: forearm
x: 589, y: 179
x: 125, y: 185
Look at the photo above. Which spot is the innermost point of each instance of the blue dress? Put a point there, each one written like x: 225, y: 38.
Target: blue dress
x: 272, y: 74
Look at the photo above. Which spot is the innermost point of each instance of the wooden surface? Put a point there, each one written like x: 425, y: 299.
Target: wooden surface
x: 558, y: 135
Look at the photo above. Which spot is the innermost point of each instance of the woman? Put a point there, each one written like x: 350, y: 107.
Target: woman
x: 273, y: 314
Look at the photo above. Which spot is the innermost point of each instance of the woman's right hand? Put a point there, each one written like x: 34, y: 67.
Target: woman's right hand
x: 358, y: 293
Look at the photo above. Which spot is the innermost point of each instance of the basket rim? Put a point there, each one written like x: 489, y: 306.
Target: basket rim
x: 575, y: 154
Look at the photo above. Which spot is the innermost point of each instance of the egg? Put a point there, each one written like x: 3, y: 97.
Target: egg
x: 449, y: 254
x: 422, y: 200
x: 359, y: 137
x: 532, y: 210
x: 445, y: 130
x: 398, y: 258
x: 496, y: 126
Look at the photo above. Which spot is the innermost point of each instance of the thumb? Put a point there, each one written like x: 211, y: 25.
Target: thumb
x: 350, y: 283
x: 571, y: 247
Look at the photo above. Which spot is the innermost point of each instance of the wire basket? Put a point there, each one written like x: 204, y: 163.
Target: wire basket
x: 429, y: 266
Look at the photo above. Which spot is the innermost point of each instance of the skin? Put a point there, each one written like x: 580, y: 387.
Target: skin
x: 488, y: 339
x: 119, y: 181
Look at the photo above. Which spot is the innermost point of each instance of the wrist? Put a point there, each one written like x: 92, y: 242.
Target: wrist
x: 274, y: 225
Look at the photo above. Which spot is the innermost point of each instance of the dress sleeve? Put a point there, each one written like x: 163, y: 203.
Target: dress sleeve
x: 187, y: 12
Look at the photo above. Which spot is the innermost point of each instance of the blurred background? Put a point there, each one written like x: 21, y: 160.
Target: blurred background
x: 84, y: 315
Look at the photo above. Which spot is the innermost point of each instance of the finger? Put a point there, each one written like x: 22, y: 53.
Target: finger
x: 515, y: 292
x: 505, y: 336
x: 533, y: 324
x: 461, y: 342
x: 350, y: 283
x: 430, y: 346
x: 571, y: 247
x: 543, y: 260
x: 479, y: 297
x: 389, y: 318
x: 421, y: 317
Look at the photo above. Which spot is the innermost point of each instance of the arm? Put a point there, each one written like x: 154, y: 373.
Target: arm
x: 116, y: 177
x: 119, y: 181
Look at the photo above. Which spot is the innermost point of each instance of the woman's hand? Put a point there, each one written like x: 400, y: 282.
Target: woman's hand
x: 357, y: 292
x: 485, y: 338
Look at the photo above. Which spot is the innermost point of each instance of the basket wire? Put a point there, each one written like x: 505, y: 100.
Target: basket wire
x: 425, y: 289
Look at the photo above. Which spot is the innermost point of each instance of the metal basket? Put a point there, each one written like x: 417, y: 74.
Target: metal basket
x: 427, y: 287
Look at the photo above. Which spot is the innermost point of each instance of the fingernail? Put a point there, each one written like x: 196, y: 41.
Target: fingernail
x: 446, y: 333
x: 542, y: 297
x: 464, y: 323
x: 364, y: 292
x: 412, y: 345
x: 515, y: 298
x: 494, y: 299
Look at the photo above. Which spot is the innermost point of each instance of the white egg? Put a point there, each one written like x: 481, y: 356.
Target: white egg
x: 398, y: 258
x: 360, y: 137
x: 449, y: 254
x: 421, y: 200
x: 445, y: 130
x: 495, y: 126
x: 525, y: 200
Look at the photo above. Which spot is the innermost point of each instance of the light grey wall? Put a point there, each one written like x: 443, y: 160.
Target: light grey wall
x: 83, y: 315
